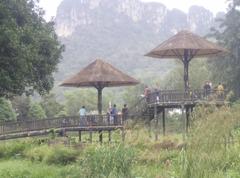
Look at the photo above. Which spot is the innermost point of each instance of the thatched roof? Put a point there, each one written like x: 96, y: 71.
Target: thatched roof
x: 99, y: 73
x: 175, y: 46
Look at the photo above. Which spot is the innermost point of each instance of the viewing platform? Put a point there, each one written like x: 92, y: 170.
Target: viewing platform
x: 176, y: 98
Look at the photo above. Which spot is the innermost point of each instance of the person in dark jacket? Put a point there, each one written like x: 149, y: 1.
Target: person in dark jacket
x: 124, y: 112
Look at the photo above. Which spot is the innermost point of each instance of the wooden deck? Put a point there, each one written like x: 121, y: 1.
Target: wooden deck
x: 176, y: 98
x: 91, y: 123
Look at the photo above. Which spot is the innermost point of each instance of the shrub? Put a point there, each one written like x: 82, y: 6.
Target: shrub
x: 38, y: 153
x: 62, y: 156
x: 62, y: 113
x: 6, y: 110
x: 36, y: 111
x: 12, y: 149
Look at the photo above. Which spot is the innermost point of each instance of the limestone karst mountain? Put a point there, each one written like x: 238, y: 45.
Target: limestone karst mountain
x: 122, y: 31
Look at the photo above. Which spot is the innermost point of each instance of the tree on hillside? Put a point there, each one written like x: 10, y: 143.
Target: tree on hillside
x: 51, y: 106
x: 75, y: 99
x: 198, y: 74
x: 21, y: 104
x: 36, y: 111
x: 227, y: 69
x: 6, y: 110
x: 29, y: 48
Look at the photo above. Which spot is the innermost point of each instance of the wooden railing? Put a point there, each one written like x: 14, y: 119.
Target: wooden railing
x: 176, y: 96
x: 65, y: 122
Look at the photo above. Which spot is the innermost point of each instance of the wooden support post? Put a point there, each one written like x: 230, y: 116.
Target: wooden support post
x: 100, y: 136
x: 150, y: 117
x: 156, y: 124
x: 183, y: 123
x: 109, y: 136
x: 191, y: 109
x: 80, y: 136
x: 187, y: 118
x: 123, y: 135
x: 90, y: 136
x: 163, y: 122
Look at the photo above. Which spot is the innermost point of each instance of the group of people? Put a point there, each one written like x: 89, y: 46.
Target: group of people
x: 208, y: 88
x: 113, y: 114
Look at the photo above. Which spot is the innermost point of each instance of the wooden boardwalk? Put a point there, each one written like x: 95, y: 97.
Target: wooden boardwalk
x: 176, y: 98
x: 89, y: 123
x: 153, y: 106
x: 156, y: 104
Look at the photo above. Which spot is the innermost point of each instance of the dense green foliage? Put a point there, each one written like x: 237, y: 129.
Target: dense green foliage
x: 226, y: 69
x: 36, y: 111
x: 21, y: 104
x: 29, y: 47
x: 51, y: 106
x: 6, y: 110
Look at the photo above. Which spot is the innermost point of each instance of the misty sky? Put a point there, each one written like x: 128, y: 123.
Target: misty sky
x: 50, y: 6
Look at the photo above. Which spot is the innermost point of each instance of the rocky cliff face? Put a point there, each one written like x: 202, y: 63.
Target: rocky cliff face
x: 122, y: 31
x: 74, y: 13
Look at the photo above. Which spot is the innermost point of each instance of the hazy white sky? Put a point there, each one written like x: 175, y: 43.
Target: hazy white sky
x: 50, y: 6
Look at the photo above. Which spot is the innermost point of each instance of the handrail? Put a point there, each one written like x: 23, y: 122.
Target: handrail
x: 64, y: 122
x: 168, y: 96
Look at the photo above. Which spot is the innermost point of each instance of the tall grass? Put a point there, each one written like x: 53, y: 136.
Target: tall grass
x: 212, y: 150
x: 114, y: 161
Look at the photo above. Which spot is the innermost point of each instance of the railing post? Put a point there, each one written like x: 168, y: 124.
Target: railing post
x: 109, y: 136
x: 123, y: 135
x: 100, y: 136
x: 156, y: 120
x: 163, y: 121
x: 183, y: 123
x: 90, y: 131
x: 79, y: 136
x: 187, y: 118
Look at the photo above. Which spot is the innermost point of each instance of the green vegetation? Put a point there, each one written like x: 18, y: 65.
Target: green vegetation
x: 198, y: 72
x: 36, y: 111
x: 29, y: 51
x: 28, y: 59
x: 6, y: 110
x: 210, y: 150
x: 226, y: 69
x: 51, y: 106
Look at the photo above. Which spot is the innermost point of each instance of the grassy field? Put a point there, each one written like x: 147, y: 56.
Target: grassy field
x: 211, y: 150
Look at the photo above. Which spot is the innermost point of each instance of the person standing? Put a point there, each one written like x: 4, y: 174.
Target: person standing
x: 124, y: 112
x: 207, y: 89
x: 220, y: 90
x: 147, y: 92
x: 82, y: 113
x: 114, y: 114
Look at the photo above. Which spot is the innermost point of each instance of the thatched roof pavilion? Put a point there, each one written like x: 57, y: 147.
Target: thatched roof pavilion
x: 99, y: 74
x: 185, y: 46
